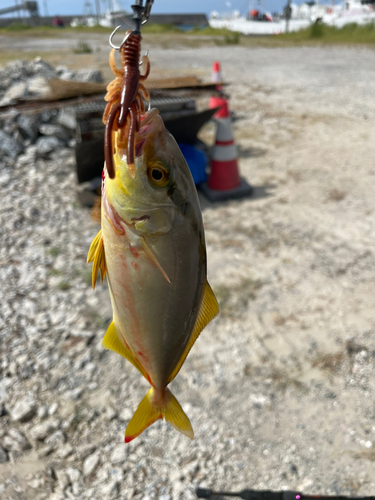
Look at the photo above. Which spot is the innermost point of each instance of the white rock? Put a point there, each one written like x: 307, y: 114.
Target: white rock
x: 45, y: 451
x: 44, y: 429
x: 65, y: 451
x: 76, y: 488
x: 110, y: 490
x: 16, y: 91
x: 36, y: 483
x: 119, y: 454
x: 57, y: 495
x: 75, y: 393
x: 63, y: 479
x: 117, y: 474
x: 24, y: 410
x: 16, y: 441
x: 42, y: 411
x: 73, y: 474
x: 91, y: 463
x: 126, y: 414
x: 57, y: 438
x: 85, y: 450
x: 110, y: 412
x: 52, y: 409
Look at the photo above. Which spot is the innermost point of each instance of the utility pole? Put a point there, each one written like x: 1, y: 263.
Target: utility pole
x: 97, y: 10
x: 18, y: 12
x: 287, y: 15
x: 45, y: 8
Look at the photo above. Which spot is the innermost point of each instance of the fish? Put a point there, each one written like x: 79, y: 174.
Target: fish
x: 151, y: 247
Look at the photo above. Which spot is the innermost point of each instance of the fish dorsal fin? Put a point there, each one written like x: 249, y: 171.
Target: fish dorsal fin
x: 208, y: 309
x: 97, y: 254
x: 153, y: 258
x: 111, y: 341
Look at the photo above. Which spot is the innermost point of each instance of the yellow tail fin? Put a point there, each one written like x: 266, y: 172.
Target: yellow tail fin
x: 150, y: 411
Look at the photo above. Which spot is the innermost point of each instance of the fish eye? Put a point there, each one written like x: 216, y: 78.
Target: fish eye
x: 158, y: 176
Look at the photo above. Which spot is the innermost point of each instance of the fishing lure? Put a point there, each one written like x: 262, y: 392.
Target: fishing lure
x: 125, y: 104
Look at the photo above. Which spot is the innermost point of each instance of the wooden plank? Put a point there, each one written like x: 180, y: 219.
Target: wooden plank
x: 179, y: 82
x: 172, y: 83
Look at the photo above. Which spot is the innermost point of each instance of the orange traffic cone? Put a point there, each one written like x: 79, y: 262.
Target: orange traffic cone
x: 221, y: 103
x: 216, y: 74
x: 224, y: 181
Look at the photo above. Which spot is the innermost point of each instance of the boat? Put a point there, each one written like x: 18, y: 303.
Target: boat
x: 348, y: 12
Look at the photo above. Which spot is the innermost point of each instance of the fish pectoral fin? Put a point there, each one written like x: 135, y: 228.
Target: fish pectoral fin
x: 147, y: 413
x: 96, y: 255
x: 208, y: 309
x: 153, y: 258
x: 112, y: 341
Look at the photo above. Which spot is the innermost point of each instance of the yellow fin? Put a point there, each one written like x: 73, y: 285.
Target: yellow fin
x: 96, y: 253
x: 175, y: 415
x: 147, y: 413
x: 93, y: 247
x: 111, y: 341
x: 208, y: 309
x: 144, y: 416
x: 153, y: 258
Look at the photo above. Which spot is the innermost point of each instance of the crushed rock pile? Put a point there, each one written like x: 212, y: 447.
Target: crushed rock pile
x: 26, y: 137
x: 32, y: 135
x: 23, y: 78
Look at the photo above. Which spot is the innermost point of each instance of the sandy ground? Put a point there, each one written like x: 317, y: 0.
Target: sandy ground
x: 280, y: 388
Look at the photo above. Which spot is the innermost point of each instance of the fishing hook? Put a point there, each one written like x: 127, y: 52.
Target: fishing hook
x: 122, y: 43
x: 145, y: 55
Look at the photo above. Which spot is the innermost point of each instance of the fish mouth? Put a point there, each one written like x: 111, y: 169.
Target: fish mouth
x: 139, y: 219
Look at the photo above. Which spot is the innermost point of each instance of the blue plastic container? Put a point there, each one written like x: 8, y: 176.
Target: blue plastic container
x: 196, y: 160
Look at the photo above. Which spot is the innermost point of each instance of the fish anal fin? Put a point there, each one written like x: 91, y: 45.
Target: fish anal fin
x: 209, y: 308
x: 96, y: 255
x: 148, y: 412
x: 111, y: 341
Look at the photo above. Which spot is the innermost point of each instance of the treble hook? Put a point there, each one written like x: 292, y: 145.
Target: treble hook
x: 122, y: 43
x: 145, y: 55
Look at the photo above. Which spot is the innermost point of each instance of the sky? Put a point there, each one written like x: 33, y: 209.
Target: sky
x: 72, y: 7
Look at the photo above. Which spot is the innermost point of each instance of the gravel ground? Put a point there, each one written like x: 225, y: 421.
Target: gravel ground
x: 279, y: 388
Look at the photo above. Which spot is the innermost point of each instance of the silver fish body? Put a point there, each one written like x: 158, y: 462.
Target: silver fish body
x: 155, y: 260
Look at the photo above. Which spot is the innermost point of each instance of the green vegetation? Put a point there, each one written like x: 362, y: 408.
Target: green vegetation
x: 63, y: 285
x: 349, y: 34
x: 54, y: 272
x: 232, y: 38
x: 234, y: 299
x: 82, y: 48
x: 211, y: 31
x: 50, y: 31
x: 317, y: 33
x: 54, y: 251
x: 160, y: 29
x: 16, y: 27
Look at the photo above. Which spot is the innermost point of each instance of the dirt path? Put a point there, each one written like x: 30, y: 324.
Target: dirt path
x: 280, y: 388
